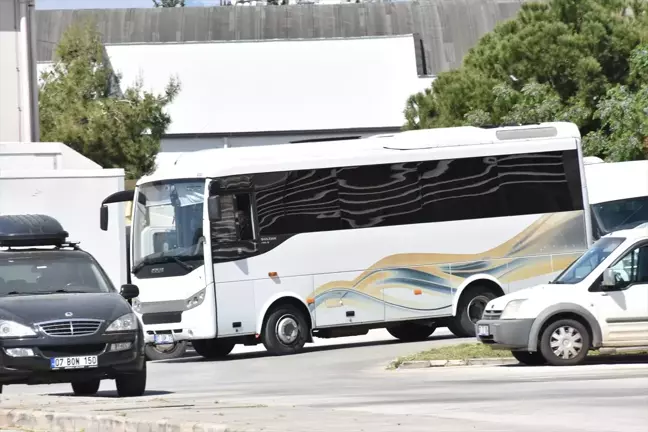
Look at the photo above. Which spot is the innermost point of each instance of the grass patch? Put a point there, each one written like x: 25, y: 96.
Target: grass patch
x: 467, y: 351
x: 462, y: 351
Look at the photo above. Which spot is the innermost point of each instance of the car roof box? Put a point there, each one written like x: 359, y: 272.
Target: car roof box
x: 31, y: 230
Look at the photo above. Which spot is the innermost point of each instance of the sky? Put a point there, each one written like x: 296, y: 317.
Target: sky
x: 109, y: 4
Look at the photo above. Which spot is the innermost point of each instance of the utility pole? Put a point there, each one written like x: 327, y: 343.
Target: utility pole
x: 18, y: 79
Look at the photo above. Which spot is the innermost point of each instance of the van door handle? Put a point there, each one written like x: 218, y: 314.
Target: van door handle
x: 605, y: 294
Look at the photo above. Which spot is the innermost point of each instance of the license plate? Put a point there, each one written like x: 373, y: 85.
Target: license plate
x: 161, y: 339
x: 483, y: 330
x: 74, y: 362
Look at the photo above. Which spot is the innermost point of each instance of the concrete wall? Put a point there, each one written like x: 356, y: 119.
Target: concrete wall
x: 447, y: 28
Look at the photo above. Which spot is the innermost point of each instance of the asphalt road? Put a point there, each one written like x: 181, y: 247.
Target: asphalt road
x: 343, y: 384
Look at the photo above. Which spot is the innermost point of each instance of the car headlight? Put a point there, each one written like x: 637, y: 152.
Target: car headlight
x: 123, y: 323
x: 512, y: 308
x: 196, y: 299
x: 12, y: 329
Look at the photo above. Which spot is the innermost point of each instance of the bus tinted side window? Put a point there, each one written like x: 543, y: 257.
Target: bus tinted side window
x: 460, y: 189
x: 417, y: 192
x: 379, y: 195
x: 536, y: 183
x: 297, y: 202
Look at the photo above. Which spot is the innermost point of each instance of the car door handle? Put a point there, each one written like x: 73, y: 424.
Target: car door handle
x: 605, y: 294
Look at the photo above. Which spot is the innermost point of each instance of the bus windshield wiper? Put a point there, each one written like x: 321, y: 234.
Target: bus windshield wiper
x: 160, y: 260
x: 184, y: 265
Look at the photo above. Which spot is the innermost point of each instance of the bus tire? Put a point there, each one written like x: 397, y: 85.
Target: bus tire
x: 177, y: 350
x: 285, y: 331
x: 213, y: 348
x: 411, y: 332
x: 472, y: 300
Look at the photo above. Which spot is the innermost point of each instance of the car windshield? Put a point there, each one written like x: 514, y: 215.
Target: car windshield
x: 167, y: 222
x: 621, y: 214
x: 586, y: 263
x: 46, y: 273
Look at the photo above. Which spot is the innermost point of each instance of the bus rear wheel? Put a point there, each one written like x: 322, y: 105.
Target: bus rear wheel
x: 285, y: 331
x: 213, y: 348
x: 411, y: 332
x: 470, y: 310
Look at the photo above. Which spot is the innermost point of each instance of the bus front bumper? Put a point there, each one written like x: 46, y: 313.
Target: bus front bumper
x: 165, y: 337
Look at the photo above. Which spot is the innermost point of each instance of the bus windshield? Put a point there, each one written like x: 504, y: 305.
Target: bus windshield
x: 168, y: 227
x: 621, y: 214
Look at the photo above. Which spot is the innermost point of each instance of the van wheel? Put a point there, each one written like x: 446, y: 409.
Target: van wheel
x: 565, y: 342
x: 86, y: 388
x: 411, y: 332
x: 529, y: 358
x: 470, y: 310
x: 131, y: 384
x: 213, y: 348
x: 285, y: 331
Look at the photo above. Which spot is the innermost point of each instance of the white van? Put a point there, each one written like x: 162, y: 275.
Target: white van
x: 599, y: 301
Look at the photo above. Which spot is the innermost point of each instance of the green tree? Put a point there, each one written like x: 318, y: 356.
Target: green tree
x: 169, y: 3
x: 557, y: 60
x: 82, y: 105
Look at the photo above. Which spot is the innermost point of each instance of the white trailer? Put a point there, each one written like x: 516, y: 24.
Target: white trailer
x: 53, y: 179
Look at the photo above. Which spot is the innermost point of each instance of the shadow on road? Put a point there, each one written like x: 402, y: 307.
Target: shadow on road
x: 191, y: 356
x: 602, y: 359
x: 113, y: 394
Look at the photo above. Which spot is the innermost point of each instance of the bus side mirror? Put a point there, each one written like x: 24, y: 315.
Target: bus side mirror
x: 129, y: 291
x: 103, y: 218
x: 214, y: 208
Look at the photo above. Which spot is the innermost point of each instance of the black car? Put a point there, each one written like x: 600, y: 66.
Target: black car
x: 61, y: 318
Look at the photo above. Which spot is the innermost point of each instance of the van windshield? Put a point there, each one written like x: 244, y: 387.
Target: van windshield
x: 50, y: 272
x: 586, y: 263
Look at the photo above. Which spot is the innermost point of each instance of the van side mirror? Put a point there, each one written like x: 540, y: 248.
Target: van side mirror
x: 129, y: 291
x: 103, y: 218
x: 214, y: 208
x: 609, y: 279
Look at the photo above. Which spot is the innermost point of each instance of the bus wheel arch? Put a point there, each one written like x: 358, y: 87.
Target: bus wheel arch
x: 286, y: 326
x: 473, y: 296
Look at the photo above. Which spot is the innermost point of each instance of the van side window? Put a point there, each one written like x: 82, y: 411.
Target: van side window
x: 633, y: 267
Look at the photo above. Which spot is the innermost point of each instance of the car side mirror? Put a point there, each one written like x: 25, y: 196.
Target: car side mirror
x: 214, y: 208
x: 609, y: 279
x: 129, y: 291
x: 103, y: 218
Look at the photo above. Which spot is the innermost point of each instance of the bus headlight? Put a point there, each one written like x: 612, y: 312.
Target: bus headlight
x: 137, y: 305
x: 196, y: 299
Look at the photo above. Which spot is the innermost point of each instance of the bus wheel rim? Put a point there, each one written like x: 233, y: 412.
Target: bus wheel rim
x: 479, y: 303
x: 287, y: 329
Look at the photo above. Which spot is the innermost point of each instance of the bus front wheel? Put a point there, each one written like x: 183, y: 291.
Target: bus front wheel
x: 213, y: 348
x: 285, y: 331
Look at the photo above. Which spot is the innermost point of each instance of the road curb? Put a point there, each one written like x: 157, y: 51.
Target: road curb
x: 33, y: 420
x: 422, y: 364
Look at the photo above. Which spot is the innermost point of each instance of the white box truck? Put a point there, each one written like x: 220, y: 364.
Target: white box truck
x: 53, y: 179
